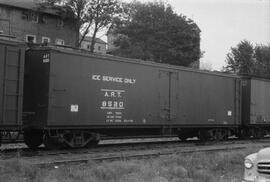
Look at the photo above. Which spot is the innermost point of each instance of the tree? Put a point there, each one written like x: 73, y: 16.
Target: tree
x: 103, y: 12
x: 153, y: 31
x: 262, y: 54
x: 87, y: 14
x: 241, y: 59
x: 245, y: 59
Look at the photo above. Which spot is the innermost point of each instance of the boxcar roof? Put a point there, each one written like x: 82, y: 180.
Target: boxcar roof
x: 255, y: 77
x: 85, y: 53
x: 5, y: 39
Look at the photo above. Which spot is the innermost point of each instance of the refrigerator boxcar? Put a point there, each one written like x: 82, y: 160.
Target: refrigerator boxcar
x: 11, y: 81
x: 255, y: 106
x: 71, y: 98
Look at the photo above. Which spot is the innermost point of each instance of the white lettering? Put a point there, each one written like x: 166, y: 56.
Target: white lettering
x: 104, y: 103
x: 106, y: 78
x: 106, y: 94
x: 128, y: 80
x: 112, y: 79
x: 121, y: 104
x: 112, y: 93
x: 119, y: 95
x: 109, y: 103
x: 112, y: 105
x: 96, y: 77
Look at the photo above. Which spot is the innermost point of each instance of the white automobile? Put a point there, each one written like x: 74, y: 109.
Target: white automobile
x: 257, y: 166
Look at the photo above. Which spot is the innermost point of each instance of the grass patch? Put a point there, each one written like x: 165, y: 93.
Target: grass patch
x: 199, y: 167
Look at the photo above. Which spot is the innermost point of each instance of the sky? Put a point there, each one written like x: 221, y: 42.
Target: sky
x: 224, y: 23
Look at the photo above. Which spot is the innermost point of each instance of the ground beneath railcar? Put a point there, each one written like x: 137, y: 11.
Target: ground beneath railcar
x: 189, y: 167
x: 21, y: 145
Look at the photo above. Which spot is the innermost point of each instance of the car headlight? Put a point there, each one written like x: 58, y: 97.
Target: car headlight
x: 248, y: 163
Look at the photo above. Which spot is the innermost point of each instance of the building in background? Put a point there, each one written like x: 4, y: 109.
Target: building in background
x: 30, y: 21
x: 100, y: 45
x: 111, y: 38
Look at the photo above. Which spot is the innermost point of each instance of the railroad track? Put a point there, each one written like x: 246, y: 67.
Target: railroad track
x: 125, y: 151
x: 116, y: 139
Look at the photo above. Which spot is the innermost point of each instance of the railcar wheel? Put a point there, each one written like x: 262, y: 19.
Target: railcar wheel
x: 258, y: 133
x: 245, y: 133
x: 92, y: 143
x: 33, y: 138
x: 78, y: 139
x: 182, y: 137
x: 95, y: 138
x: 219, y: 134
x: 204, y: 135
x: 51, y: 143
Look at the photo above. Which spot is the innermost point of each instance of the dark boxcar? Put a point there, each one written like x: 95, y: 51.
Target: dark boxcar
x: 256, y: 106
x: 68, y: 91
x: 11, y: 81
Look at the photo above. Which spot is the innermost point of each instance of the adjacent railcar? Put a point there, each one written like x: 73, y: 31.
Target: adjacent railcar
x: 72, y: 98
x: 11, y: 81
x: 255, y: 106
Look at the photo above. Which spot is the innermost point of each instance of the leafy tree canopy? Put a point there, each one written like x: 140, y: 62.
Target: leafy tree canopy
x: 153, y: 31
x: 246, y: 59
x: 89, y: 16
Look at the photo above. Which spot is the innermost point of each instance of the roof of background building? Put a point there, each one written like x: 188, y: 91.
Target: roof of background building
x: 34, y: 5
x: 98, y: 40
